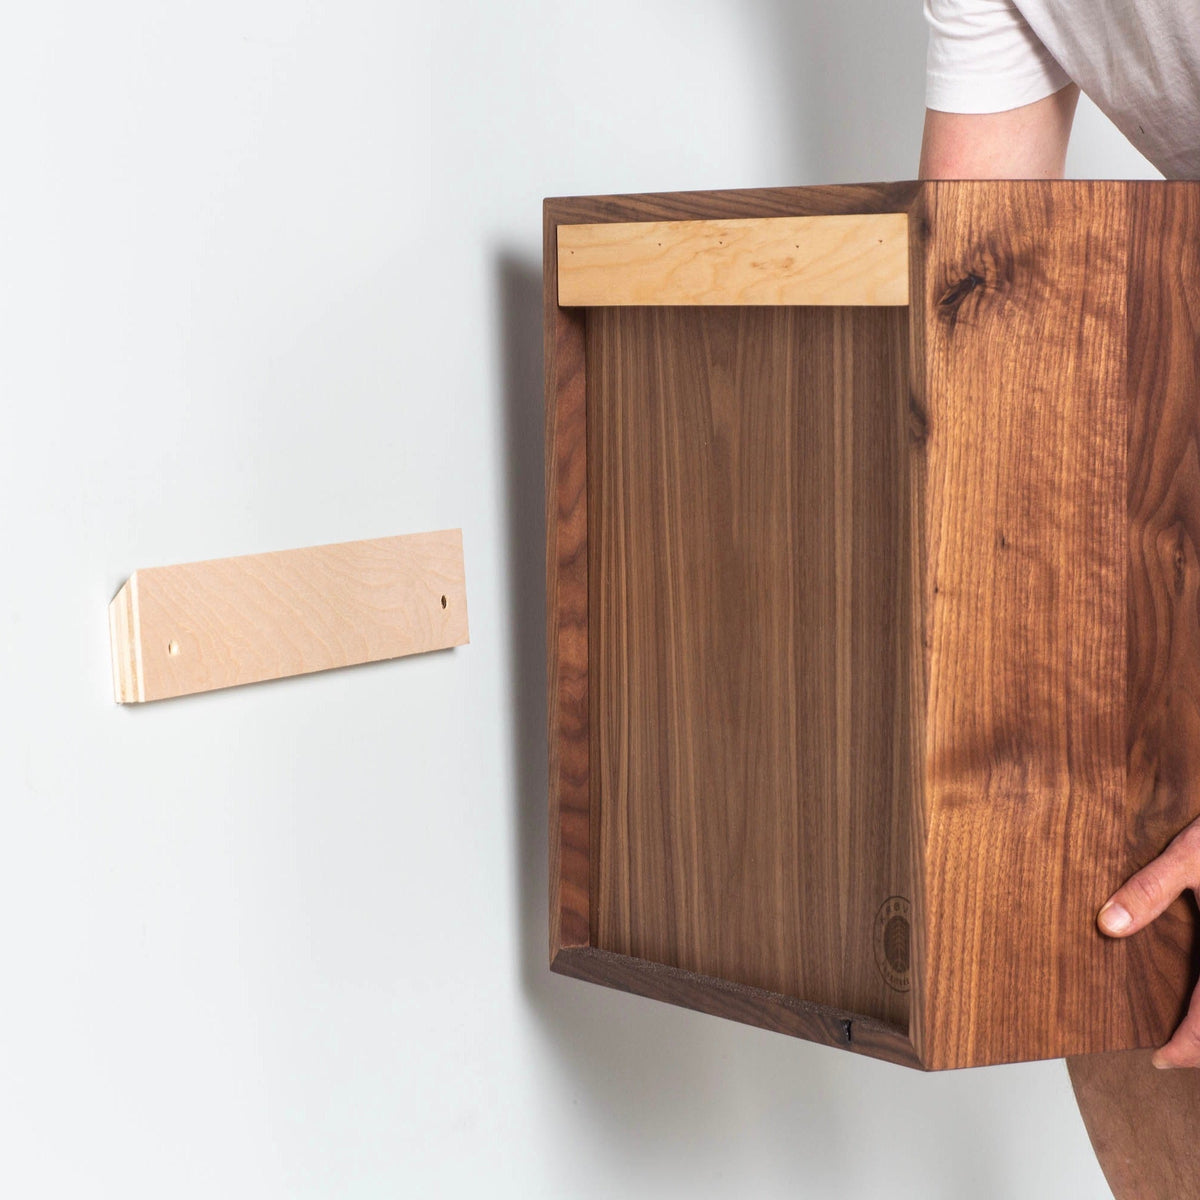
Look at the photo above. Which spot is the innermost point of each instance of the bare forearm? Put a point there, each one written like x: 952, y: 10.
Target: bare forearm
x: 1029, y: 142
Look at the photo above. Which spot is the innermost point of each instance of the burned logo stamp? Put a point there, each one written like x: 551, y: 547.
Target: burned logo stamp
x: 892, y: 933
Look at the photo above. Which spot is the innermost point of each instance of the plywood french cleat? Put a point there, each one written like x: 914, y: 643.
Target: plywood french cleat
x: 196, y: 627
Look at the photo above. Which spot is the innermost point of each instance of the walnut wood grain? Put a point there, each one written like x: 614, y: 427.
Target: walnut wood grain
x: 573, y: 817
x: 744, y: 644
x: 1163, y: 573
x: 1142, y: 1123
x: 912, y: 615
x: 1025, y: 595
x: 815, y: 201
x: 566, y: 612
x: 735, y: 1002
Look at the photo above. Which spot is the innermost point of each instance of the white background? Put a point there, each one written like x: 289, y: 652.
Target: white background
x: 271, y: 277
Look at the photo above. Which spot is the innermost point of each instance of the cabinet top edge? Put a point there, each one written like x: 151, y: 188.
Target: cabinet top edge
x: 803, y: 199
x: 808, y: 199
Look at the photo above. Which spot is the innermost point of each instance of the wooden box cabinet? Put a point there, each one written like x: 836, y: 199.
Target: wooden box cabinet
x: 873, y: 631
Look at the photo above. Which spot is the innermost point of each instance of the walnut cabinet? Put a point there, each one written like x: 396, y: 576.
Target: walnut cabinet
x: 873, y: 597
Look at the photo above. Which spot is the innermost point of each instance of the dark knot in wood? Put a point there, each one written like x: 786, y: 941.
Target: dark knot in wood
x: 957, y: 292
x: 918, y: 421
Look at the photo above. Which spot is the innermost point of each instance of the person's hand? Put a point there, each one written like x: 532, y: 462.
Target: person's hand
x: 1136, y: 903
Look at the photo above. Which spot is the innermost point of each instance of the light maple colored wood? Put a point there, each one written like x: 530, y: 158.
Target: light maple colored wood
x: 196, y: 627
x: 854, y: 259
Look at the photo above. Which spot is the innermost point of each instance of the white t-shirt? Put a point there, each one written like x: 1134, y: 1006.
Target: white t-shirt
x: 1139, y: 61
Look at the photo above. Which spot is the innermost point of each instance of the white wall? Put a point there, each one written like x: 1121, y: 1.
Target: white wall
x: 269, y: 277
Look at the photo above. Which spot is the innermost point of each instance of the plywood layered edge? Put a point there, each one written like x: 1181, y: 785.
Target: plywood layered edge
x: 124, y: 644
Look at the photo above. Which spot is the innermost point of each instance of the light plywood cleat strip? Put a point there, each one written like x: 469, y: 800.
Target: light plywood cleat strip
x: 201, y: 626
x: 856, y: 259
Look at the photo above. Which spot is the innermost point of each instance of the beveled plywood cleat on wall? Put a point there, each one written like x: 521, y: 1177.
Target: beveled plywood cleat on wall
x: 200, y: 626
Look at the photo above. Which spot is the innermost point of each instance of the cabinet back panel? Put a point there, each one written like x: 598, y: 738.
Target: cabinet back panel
x: 747, y: 609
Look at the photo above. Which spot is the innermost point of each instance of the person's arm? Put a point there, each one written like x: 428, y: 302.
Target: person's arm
x: 1138, y: 902
x: 1029, y: 142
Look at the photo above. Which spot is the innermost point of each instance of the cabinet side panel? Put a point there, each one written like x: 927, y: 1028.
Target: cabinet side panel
x: 1024, y: 311
x: 566, y: 611
x: 913, y: 609
x: 748, y: 733
x: 1164, y: 581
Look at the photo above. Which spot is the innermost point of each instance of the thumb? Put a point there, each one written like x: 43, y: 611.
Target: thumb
x: 1145, y: 895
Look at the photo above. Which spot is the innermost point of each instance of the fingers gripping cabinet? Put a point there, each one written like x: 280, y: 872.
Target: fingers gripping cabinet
x: 873, y: 515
